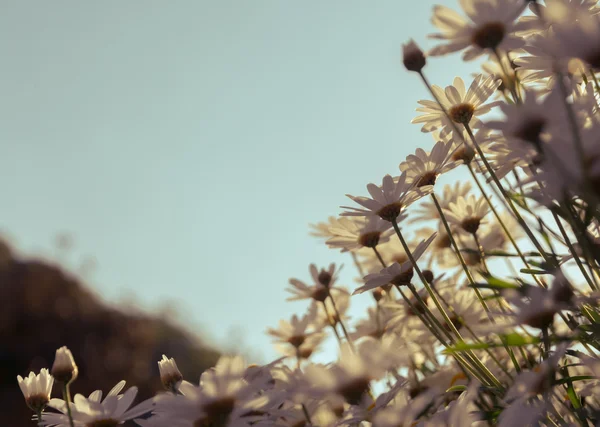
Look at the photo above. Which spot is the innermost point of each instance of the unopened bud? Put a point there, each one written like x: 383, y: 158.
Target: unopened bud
x: 64, y: 368
x: 428, y: 275
x: 377, y: 294
x: 413, y: 57
x: 170, y: 376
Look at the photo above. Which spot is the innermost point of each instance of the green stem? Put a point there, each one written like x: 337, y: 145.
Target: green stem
x: 306, y: 414
x: 573, y: 252
x: 67, y: 399
x: 39, y: 417
x: 452, y: 240
x: 340, y: 321
x: 512, y: 86
x: 513, y: 208
x: 500, y: 221
x: 337, y: 335
x: 435, y: 300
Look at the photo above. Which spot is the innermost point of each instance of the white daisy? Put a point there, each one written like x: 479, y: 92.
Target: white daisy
x: 223, y: 397
x: 94, y: 412
x: 351, y: 376
x: 467, y: 212
x: 580, y: 39
x: 388, y: 201
x: 321, y: 229
x: 36, y: 389
x: 426, y: 210
x: 353, y: 234
x: 396, y: 274
x: 491, y: 26
x: 323, y: 284
x: 296, y: 331
x: 462, y: 106
x: 423, y: 168
x: 542, y: 58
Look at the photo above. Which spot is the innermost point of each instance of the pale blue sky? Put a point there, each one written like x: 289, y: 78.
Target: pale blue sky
x: 188, y: 144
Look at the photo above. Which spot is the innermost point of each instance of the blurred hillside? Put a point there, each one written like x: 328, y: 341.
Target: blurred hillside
x: 42, y: 308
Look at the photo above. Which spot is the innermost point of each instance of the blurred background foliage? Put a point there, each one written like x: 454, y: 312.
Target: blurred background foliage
x: 43, y: 307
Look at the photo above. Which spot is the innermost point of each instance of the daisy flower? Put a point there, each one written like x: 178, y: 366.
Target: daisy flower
x: 423, y: 168
x: 466, y: 310
x: 388, y: 201
x: 396, y: 274
x: 463, y: 106
x: 405, y: 412
x: 490, y: 26
x: 537, y: 309
x: 351, y: 376
x: 467, y: 212
x: 321, y: 229
x: 294, y: 332
x: 426, y: 210
x: 223, y: 397
x: 580, y: 39
x: 323, y: 283
x: 326, y: 315
x: 36, y: 389
x: 526, y: 123
x: 542, y: 57
x: 95, y: 412
x: 353, y: 234
x: 374, y: 325
x: 544, y: 16
x: 305, y: 350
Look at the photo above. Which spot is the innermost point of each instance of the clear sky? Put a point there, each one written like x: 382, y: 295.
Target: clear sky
x: 188, y: 144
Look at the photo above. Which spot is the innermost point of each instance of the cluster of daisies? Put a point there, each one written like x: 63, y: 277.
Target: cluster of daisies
x: 485, y: 293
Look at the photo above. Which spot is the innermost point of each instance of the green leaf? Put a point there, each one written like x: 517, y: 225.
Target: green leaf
x: 456, y: 388
x: 575, y: 378
x: 533, y: 271
x: 518, y: 340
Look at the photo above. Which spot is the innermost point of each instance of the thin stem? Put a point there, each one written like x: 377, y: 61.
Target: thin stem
x: 460, y: 359
x: 337, y: 335
x: 435, y: 300
x: 339, y: 319
x: 452, y: 240
x: 306, y: 414
x: 546, y: 339
x: 518, y: 216
x: 67, y: 399
x: 500, y: 221
x: 39, y: 417
x: 379, y: 257
x: 357, y: 264
x: 512, y: 87
x: 458, y: 253
x: 573, y: 252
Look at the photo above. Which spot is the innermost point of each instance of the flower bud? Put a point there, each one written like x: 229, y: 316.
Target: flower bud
x: 413, y: 57
x: 169, y: 373
x: 36, y: 389
x: 64, y: 368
